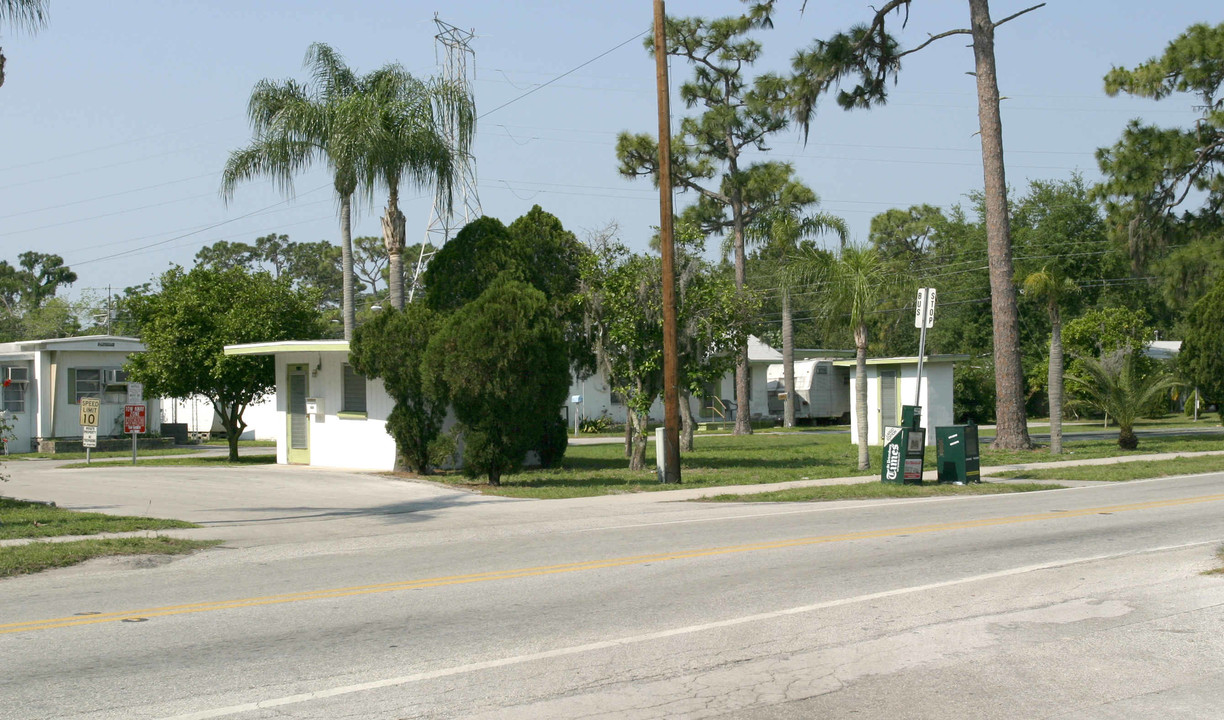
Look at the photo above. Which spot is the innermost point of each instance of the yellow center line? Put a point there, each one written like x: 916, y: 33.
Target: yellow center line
x: 579, y: 566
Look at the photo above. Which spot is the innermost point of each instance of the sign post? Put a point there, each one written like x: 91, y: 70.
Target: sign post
x: 90, y: 407
x: 924, y: 317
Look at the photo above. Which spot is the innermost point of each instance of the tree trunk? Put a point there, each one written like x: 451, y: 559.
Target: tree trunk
x: 231, y: 422
x: 637, y: 461
x: 347, y: 309
x: 393, y: 240
x: 1056, y: 380
x: 860, y: 393
x: 1012, y: 432
x: 628, y: 432
x: 788, y: 361
x: 743, y: 409
x: 1126, y: 438
x: 687, y: 426
x: 495, y: 477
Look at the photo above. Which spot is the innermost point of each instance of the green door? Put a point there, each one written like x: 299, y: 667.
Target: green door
x: 299, y: 421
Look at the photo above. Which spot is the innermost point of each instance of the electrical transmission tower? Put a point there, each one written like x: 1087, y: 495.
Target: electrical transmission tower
x: 459, y: 69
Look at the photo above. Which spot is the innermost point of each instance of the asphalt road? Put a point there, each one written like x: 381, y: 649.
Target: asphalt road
x: 358, y: 596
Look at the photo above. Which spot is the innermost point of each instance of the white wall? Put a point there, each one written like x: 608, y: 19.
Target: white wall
x: 198, y: 414
x: 359, y: 443
x: 935, y: 398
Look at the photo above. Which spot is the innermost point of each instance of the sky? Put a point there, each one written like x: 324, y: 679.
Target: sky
x: 116, y: 119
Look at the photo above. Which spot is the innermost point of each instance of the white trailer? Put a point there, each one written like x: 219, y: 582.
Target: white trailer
x: 822, y: 390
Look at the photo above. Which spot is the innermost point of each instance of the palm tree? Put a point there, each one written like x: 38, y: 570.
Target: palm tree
x: 1116, y: 387
x: 419, y: 129
x: 1054, y: 288
x: 22, y: 14
x: 778, y: 232
x: 297, y: 125
x: 851, y: 285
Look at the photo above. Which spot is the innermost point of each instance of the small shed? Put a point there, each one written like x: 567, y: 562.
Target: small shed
x: 891, y: 384
x: 326, y: 414
x: 48, y: 378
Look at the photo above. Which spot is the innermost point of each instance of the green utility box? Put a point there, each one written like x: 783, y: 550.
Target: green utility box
x: 956, y: 454
x: 904, y: 450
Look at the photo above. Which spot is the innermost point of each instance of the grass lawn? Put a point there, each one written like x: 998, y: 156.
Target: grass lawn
x: 1137, y: 470
x: 760, y: 459
x: 39, y: 556
x: 190, y: 460
x: 873, y: 490
x: 21, y: 519
x: 241, y: 443
x: 95, y: 455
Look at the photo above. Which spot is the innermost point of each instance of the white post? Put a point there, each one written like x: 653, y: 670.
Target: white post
x: 660, y: 451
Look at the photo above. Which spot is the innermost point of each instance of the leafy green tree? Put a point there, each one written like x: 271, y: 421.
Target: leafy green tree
x: 622, y: 293
x: 851, y: 285
x: 868, y: 52
x: 391, y: 347
x: 223, y: 255
x: 370, y: 262
x: 536, y: 248
x: 43, y: 274
x: 1151, y: 171
x: 1054, y: 288
x: 418, y: 129
x: 186, y: 324
x: 23, y: 14
x: 1117, y: 387
x: 1202, y: 355
x: 1104, y: 332
x: 790, y: 217
x: 469, y: 263
x: 709, y: 152
x: 502, y: 356
x: 297, y: 125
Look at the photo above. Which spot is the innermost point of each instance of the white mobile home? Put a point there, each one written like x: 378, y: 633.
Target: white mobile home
x: 822, y: 390
x: 47, y: 379
x: 716, y: 404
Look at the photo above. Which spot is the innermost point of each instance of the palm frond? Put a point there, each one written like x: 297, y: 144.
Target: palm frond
x: 25, y: 14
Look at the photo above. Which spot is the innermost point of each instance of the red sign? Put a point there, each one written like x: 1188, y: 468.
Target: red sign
x: 133, y: 418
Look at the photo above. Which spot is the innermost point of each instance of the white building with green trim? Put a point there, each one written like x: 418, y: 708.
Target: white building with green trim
x: 48, y: 378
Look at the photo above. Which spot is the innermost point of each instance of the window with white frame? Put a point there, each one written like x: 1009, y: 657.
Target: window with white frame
x: 354, y: 400
x: 15, y: 379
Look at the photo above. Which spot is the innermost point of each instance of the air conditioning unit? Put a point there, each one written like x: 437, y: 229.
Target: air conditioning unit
x: 113, y: 377
x: 17, y: 374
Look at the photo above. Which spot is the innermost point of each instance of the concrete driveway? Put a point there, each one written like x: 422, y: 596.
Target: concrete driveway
x: 263, y: 504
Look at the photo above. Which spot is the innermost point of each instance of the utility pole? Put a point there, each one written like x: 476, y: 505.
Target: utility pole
x: 671, y: 375
x: 445, y: 223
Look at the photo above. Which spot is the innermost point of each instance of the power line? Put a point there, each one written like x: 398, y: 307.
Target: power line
x: 567, y: 72
x: 195, y: 232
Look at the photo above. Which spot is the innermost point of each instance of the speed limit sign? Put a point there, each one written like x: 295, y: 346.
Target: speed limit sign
x: 89, y: 411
